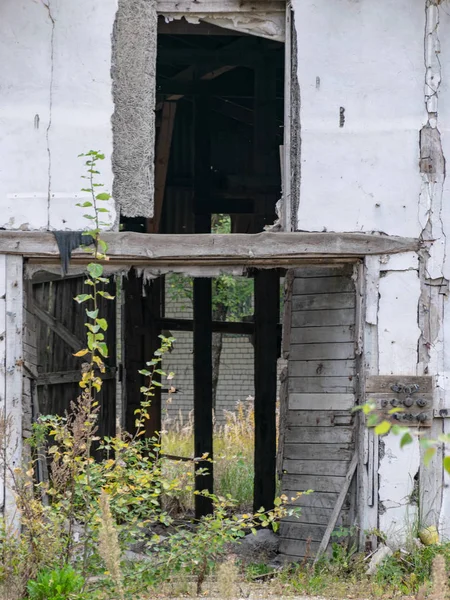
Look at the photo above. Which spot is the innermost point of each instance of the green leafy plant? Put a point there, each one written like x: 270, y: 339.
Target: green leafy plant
x: 58, y: 584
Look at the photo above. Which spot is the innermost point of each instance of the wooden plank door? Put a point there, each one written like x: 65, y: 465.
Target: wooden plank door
x: 54, y: 331
x: 319, y: 439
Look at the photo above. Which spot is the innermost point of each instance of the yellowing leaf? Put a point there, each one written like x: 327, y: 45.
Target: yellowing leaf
x: 383, y: 428
x: 82, y: 352
x: 447, y: 464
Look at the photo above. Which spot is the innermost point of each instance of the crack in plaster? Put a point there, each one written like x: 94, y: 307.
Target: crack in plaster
x: 47, y: 133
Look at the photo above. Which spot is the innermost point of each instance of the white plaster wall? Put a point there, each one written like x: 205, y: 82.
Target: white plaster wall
x: 55, y: 102
x: 367, y: 57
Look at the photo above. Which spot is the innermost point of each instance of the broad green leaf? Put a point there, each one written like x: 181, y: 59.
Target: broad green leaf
x: 92, y: 314
x: 83, y: 298
x: 106, y: 295
x: 383, y: 428
x: 447, y: 464
x: 406, y: 439
x: 103, y: 324
x: 95, y: 270
x: 429, y: 453
x: 103, y: 196
x: 372, y: 420
x: 84, y: 204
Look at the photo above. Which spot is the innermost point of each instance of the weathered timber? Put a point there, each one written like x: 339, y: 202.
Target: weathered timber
x: 165, y: 249
x: 331, y: 452
x: 297, y: 550
x: 321, y: 401
x: 323, y: 301
x: 313, y: 500
x: 234, y: 327
x: 319, y: 418
x: 321, y: 285
x: 332, y: 351
x: 321, y: 385
x: 315, y: 467
x: 203, y: 392
x: 324, y: 271
x: 317, y: 335
x: 57, y: 327
x: 323, y: 318
x: 219, y: 6
x: 319, y: 435
x: 316, y: 516
x: 382, y: 383
x: 337, y: 509
x: 322, y: 368
x: 318, y: 483
x: 60, y: 377
x: 267, y: 297
x: 163, y: 146
x: 302, y: 531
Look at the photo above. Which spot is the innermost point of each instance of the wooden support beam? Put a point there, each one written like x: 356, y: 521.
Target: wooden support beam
x: 57, y: 327
x: 219, y: 6
x: 152, y: 329
x: 162, y: 157
x: 230, y: 327
x: 267, y: 299
x: 203, y: 397
x: 267, y: 248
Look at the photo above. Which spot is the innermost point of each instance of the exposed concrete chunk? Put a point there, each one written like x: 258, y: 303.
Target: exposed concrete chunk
x: 133, y: 121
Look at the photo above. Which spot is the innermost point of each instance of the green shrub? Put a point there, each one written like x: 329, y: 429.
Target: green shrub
x: 59, y: 584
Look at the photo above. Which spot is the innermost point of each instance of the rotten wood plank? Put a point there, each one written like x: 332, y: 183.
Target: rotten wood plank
x: 333, y: 351
x: 330, y: 452
x: 322, y: 368
x: 313, y: 500
x: 321, y: 401
x: 59, y: 377
x: 219, y: 6
x: 297, y: 550
x: 321, y: 385
x: 319, y: 435
x: 322, y: 285
x: 168, y: 249
x: 301, y: 531
x: 322, y: 271
x: 317, y: 335
x: 323, y: 318
x: 319, y: 418
x: 317, y: 516
x: 315, y: 467
x: 318, y: 483
x: 323, y: 301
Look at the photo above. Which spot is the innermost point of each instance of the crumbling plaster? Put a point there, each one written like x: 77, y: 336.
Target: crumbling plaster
x: 55, y: 103
x: 375, y: 119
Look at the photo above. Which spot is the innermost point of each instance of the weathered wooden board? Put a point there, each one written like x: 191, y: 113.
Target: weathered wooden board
x: 319, y: 435
x: 321, y: 401
x: 316, y: 467
x: 323, y: 301
x: 330, y: 452
x: 319, y: 418
x: 323, y: 271
x: 323, y: 318
x: 332, y: 351
x: 316, y: 516
x: 382, y: 384
x: 297, y: 550
x: 321, y: 368
x: 219, y: 6
x: 318, y: 483
x: 322, y: 285
x: 317, y: 335
x: 60, y: 377
x: 321, y: 385
x: 302, y: 531
x: 315, y: 499
x: 167, y: 249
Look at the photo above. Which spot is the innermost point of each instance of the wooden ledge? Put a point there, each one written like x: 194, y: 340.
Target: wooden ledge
x: 262, y: 249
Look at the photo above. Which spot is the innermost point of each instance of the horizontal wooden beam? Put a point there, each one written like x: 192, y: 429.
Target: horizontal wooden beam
x: 265, y: 249
x: 235, y: 328
x: 219, y: 6
x: 57, y: 327
x: 59, y: 377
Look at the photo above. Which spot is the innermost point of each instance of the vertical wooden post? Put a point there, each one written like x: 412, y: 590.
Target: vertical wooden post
x: 203, y: 405
x: 267, y: 298
x: 203, y: 397
x: 152, y: 315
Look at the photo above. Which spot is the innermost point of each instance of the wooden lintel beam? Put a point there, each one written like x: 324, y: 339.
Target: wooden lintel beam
x: 266, y: 248
x: 208, y: 7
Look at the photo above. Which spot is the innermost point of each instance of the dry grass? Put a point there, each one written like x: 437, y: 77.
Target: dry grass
x: 233, y: 455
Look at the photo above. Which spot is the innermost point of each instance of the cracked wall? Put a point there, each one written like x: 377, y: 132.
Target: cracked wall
x: 383, y: 169
x: 55, y: 103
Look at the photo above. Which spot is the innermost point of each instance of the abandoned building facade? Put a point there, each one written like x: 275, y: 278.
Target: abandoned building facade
x: 321, y: 128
